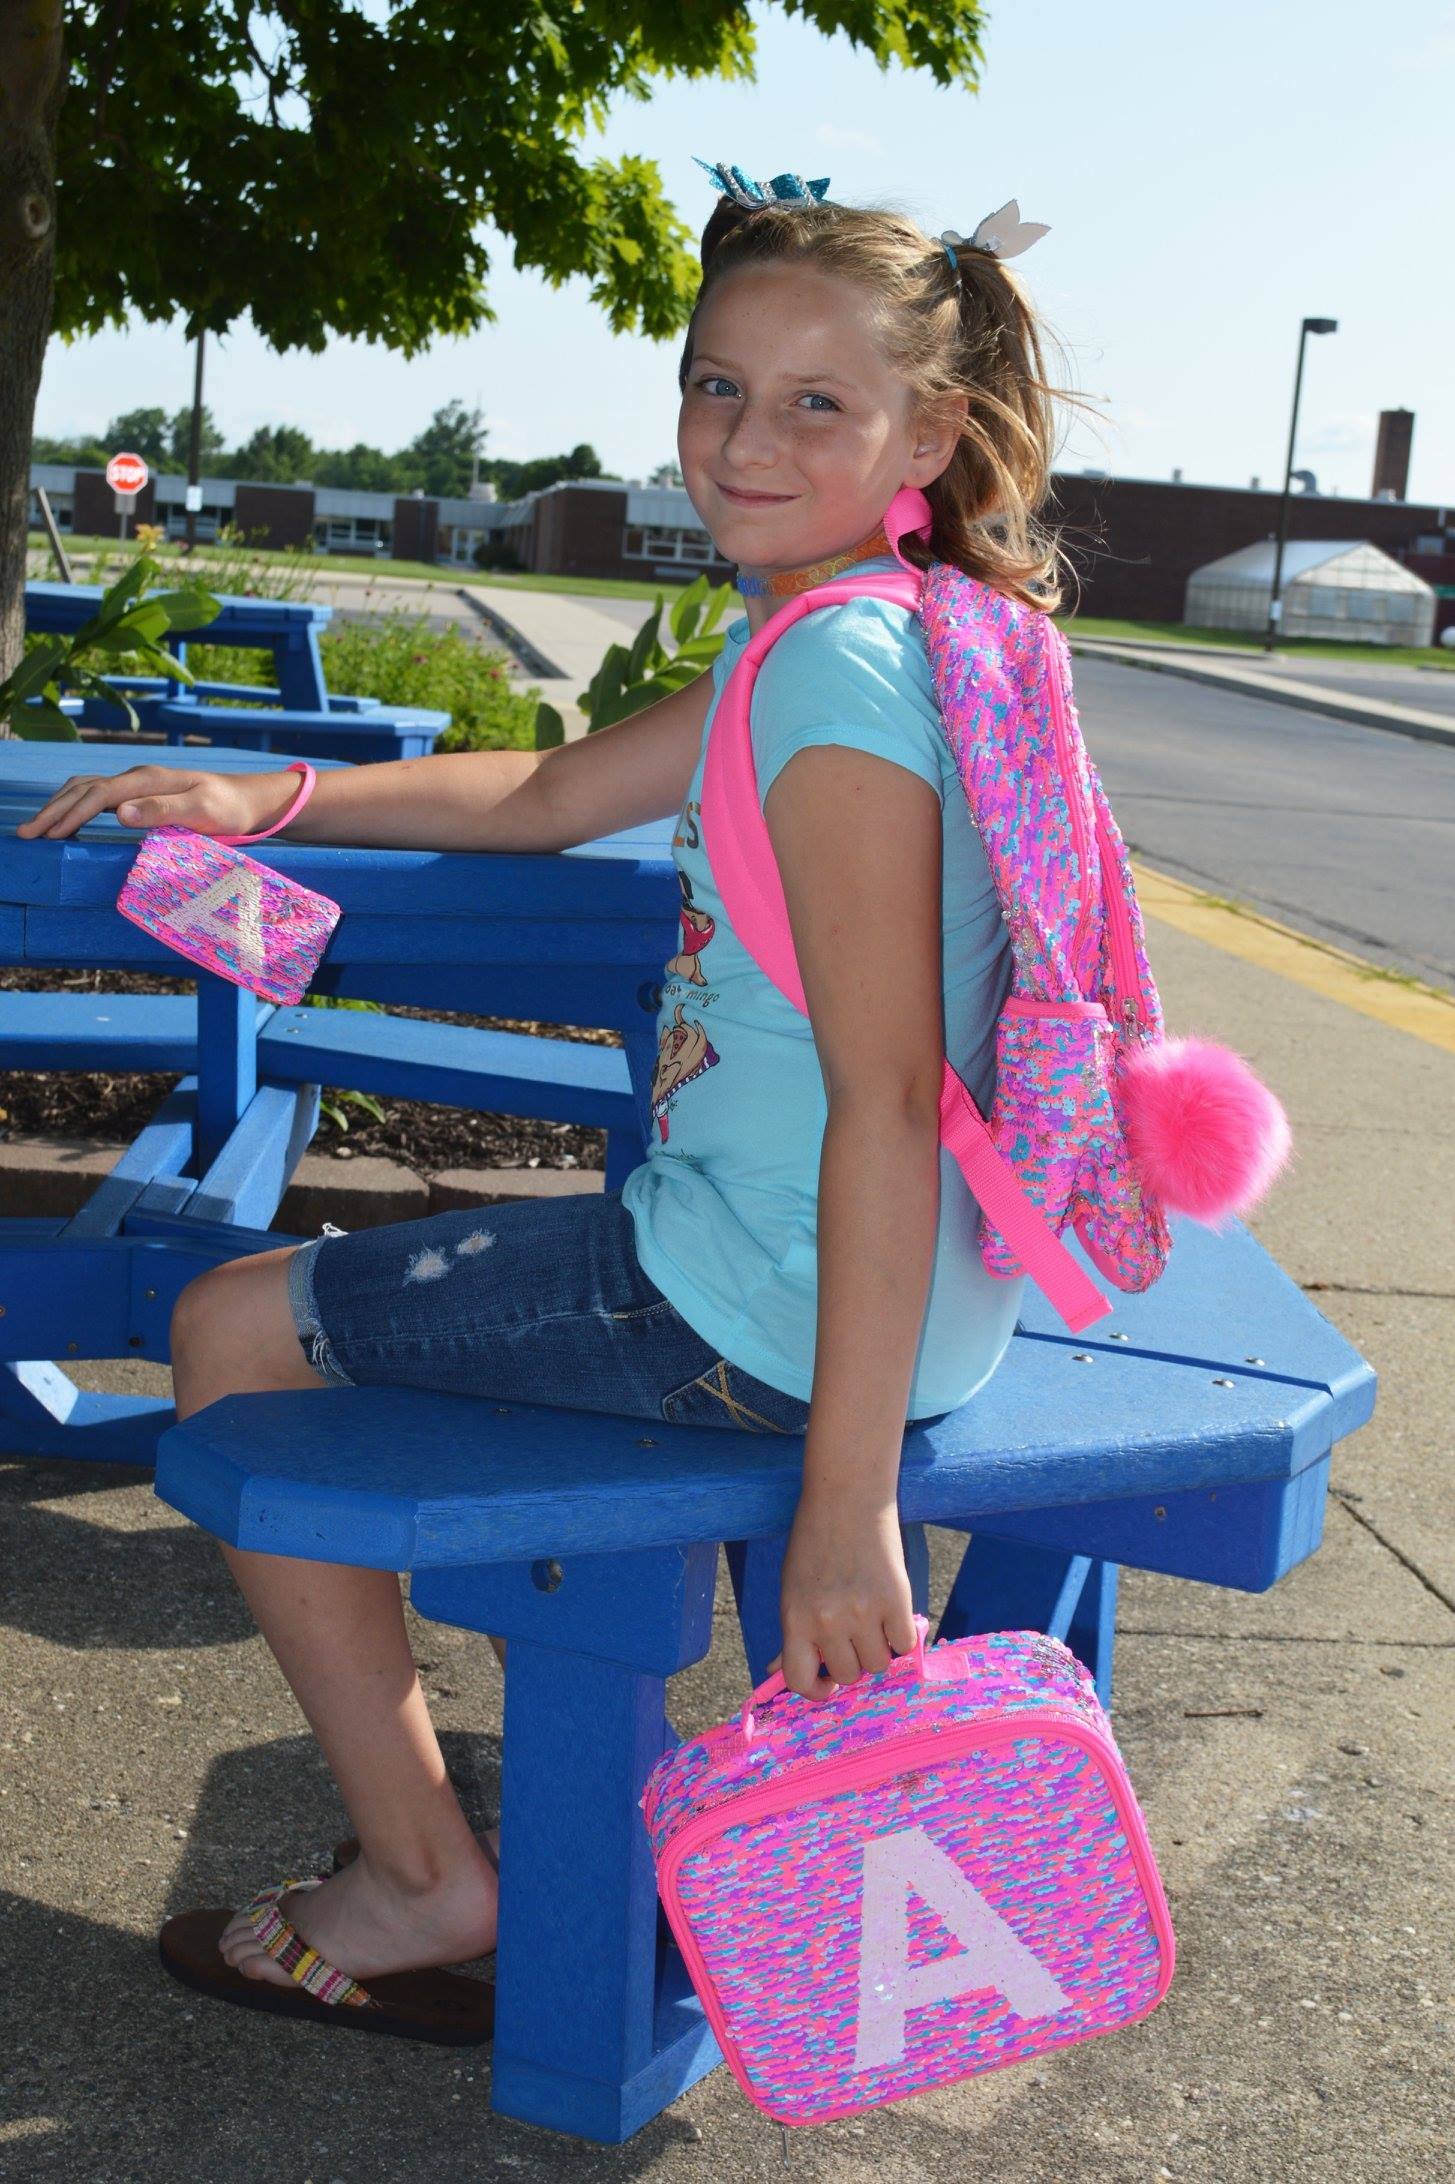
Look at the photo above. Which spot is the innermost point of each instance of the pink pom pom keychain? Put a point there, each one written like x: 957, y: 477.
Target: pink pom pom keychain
x: 1206, y: 1136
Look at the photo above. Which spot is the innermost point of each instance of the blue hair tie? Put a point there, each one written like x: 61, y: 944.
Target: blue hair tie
x: 784, y: 189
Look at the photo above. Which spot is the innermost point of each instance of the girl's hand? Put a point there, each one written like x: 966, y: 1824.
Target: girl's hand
x: 845, y: 1593
x: 166, y: 796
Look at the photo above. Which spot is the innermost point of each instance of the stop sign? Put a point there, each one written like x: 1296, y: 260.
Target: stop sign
x: 126, y: 473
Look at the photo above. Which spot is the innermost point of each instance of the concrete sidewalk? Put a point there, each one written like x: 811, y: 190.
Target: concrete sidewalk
x: 1291, y: 1752
x: 1278, y: 685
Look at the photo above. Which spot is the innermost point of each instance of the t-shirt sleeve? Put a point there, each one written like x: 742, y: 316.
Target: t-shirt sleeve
x: 854, y: 674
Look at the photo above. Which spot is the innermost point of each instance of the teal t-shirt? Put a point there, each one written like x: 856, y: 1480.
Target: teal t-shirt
x: 726, y: 1204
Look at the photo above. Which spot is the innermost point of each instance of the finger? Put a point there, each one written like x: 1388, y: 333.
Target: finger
x: 800, y: 1668
x: 872, y: 1650
x: 840, y: 1659
x: 899, y: 1629
x: 65, y: 795
x: 155, y: 811
x: 84, y: 805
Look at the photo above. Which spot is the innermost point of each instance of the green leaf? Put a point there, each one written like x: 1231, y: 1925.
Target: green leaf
x: 43, y: 722
x: 187, y: 609
x: 139, y: 622
x: 605, y: 686
x: 550, y: 729
x: 646, y: 645
x: 33, y: 673
x: 724, y: 597
x: 687, y: 609
x: 701, y: 651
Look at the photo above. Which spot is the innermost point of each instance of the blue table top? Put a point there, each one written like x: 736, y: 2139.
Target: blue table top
x: 243, y: 621
x: 626, y: 876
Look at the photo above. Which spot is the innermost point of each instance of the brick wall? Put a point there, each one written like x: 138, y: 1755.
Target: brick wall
x: 1134, y: 543
x: 94, y: 507
x: 416, y: 529
x: 278, y: 515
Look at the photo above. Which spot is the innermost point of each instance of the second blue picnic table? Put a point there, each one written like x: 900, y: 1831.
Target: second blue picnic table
x: 300, y: 717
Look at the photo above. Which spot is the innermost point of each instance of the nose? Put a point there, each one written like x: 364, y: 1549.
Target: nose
x: 751, y: 443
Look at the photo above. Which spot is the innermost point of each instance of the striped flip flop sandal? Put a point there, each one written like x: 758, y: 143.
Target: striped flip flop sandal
x: 440, y: 2006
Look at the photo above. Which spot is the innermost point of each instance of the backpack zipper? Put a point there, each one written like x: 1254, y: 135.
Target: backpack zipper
x: 1126, y: 984
x: 1072, y: 786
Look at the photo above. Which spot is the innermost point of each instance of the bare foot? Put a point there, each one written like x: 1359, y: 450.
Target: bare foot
x: 368, y: 1928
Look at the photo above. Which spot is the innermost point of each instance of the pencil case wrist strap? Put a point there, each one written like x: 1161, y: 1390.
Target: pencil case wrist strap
x: 305, y: 790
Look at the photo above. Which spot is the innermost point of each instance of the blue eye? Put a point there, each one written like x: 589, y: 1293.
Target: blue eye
x: 715, y: 379
x: 832, y: 405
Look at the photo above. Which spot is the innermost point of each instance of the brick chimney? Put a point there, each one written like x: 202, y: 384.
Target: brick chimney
x: 1392, y: 454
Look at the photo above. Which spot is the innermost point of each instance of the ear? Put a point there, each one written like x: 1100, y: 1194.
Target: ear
x: 936, y: 437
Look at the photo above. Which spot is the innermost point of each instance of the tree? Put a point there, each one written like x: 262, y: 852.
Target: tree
x: 179, y: 439
x: 143, y: 432
x: 275, y: 455
x: 359, y: 469
x: 442, y: 458
x: 665, y: 474
x: 514, y: 480
x: 331, y: 170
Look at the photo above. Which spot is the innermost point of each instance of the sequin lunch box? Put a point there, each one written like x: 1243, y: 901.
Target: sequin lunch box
x: 939, y: 1871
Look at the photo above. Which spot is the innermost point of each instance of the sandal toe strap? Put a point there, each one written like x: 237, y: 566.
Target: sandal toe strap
x: 286, y: 1946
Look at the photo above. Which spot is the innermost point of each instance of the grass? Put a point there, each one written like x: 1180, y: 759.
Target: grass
x: 375, y: 565
x: 316, y: 566
x: 1227, y: 640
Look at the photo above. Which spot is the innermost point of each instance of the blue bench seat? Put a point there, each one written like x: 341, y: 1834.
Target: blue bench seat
x: 1190, y: 1435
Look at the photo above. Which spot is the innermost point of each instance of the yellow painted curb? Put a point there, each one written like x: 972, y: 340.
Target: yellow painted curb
x: 1422, y: 1011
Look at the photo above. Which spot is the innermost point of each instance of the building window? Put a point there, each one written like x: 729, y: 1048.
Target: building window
x: 679, y: 547
x: 353, y: 534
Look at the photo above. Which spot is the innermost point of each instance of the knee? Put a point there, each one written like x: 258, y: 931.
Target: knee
x: 195, y: 1315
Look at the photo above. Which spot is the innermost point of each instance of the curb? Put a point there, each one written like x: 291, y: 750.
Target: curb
x: 1303, y: 697
x: 532, y: 659
x: 47, y: 1176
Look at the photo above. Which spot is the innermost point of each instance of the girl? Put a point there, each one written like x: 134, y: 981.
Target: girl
x: 793, y: 1255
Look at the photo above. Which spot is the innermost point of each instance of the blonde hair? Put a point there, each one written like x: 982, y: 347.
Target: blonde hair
x: 946, y: 332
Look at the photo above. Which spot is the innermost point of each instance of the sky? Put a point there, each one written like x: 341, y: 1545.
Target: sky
x: 1210, y: 177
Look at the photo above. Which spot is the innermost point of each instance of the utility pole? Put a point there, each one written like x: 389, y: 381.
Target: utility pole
x: 194, y: 451
x: 1275, y: 589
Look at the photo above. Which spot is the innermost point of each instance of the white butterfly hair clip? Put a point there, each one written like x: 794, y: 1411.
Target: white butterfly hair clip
x: 1004, y: 234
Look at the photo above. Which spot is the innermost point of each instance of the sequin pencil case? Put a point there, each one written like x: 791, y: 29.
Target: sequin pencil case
x: 939, y: 1871
x: 229, y: 913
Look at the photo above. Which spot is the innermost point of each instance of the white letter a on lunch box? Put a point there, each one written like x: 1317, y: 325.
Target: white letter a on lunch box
x: 990, y: 1954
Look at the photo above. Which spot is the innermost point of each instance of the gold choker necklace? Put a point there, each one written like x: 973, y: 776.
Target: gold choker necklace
x: 783, y: 583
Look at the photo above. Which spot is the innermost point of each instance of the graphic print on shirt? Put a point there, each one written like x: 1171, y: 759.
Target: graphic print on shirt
x: 697, y: 930
x: 684, y: 1052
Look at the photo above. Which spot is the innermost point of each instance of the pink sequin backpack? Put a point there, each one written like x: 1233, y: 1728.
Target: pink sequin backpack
x: 1100, y: 1123
x: 938, y: 1871
x: 234, y: 916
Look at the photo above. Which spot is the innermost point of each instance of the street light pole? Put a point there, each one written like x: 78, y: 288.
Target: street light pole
x: 194, y: 450
x: 1275, y: 590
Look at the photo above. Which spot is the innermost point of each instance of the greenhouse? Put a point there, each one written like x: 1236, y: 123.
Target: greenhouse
x: 1339, y: 588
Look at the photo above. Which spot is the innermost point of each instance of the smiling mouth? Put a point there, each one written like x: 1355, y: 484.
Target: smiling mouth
x: 755, y: 500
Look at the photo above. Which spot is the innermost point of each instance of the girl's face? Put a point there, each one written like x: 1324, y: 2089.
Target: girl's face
x: 795, y: 433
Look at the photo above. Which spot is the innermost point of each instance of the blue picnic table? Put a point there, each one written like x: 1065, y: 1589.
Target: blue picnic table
x: 1189, y: 1433
x: 300, y: 716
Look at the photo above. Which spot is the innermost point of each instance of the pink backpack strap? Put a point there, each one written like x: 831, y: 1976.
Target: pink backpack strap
x: 745, y: 870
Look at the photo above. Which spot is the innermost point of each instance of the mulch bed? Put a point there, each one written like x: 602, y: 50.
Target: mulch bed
x: 96, y: 1104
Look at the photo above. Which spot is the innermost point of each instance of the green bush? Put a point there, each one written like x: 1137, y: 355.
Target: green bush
x: 401, y: 661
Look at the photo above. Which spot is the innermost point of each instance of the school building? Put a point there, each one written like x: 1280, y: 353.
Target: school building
x: 1134, y: 541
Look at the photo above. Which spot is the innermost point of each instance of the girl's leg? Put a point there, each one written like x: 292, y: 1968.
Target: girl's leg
x: 422, y: 1891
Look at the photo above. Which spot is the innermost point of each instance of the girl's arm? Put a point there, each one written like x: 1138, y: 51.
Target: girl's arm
x: 623, y: 776
x: 858, y: 844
